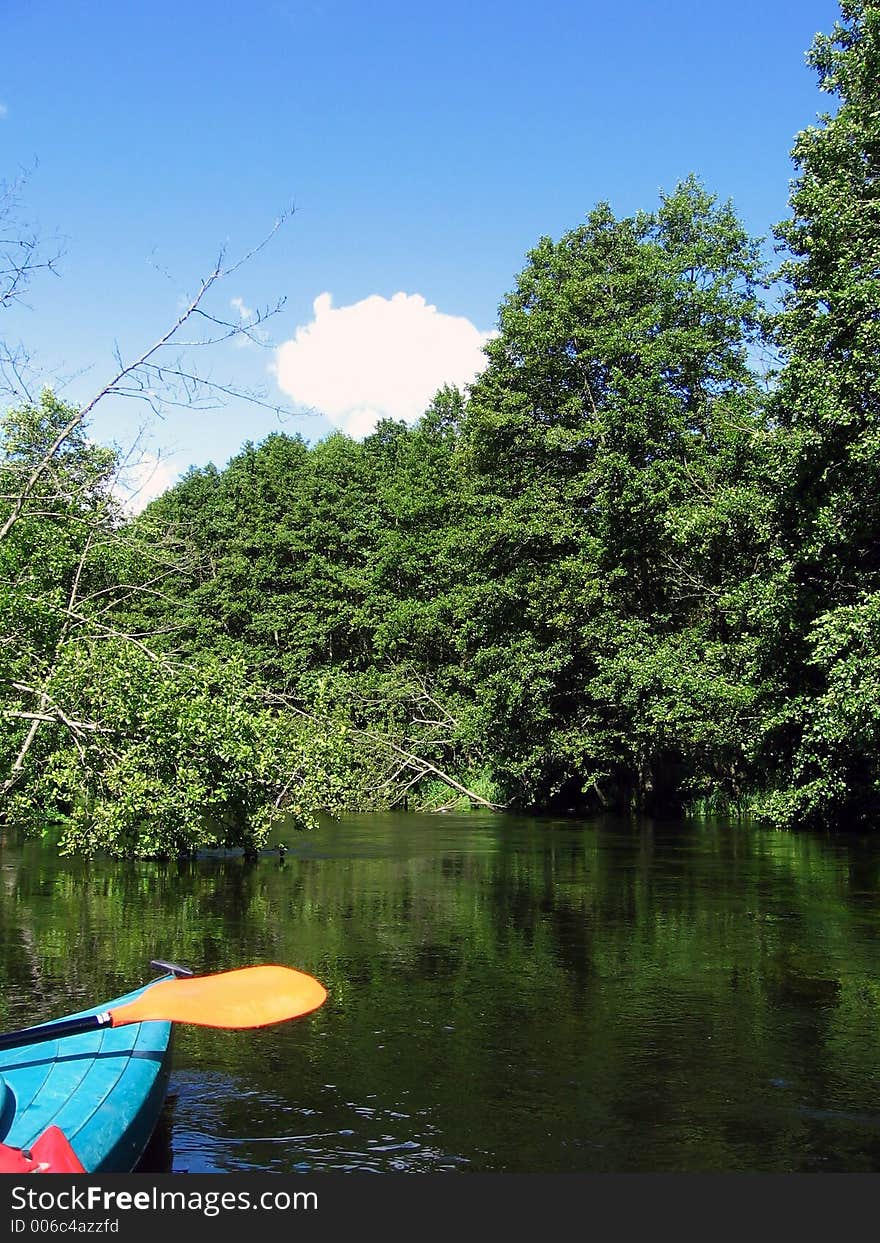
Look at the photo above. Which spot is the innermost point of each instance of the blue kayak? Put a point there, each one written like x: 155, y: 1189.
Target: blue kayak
x: 103, y: 1089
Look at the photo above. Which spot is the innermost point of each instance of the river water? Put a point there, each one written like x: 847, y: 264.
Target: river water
x: 505, y: 993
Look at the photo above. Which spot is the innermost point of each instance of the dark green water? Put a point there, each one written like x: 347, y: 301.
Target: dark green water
x: 505, y: 994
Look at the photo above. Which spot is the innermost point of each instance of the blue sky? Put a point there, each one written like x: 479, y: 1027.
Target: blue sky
x: 425, y: 150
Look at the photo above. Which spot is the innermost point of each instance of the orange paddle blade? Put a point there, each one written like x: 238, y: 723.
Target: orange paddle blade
x: 248, y: 997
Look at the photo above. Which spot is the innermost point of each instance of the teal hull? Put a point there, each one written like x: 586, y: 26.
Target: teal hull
x: 104, y: 1089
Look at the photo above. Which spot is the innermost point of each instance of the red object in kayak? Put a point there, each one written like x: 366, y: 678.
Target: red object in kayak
x: 51, y: 1154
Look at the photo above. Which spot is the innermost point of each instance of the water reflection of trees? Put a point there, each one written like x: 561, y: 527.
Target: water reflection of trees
x: 621, y: 980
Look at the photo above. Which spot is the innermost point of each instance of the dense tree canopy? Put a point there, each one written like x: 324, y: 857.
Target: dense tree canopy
x: 826, y: 482
x: 608, y: 444
x: 623, y: 569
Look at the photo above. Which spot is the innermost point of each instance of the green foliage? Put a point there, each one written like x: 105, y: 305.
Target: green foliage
x: 185, y: 758
x: 620, y: 570
x: 612, y: 445
x: 138, y: 751
x: 820, y: 735
x: 835, y: 777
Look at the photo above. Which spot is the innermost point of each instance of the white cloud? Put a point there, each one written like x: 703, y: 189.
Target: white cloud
x: 4, y: 112
x: 378, y: 358
x: 245, y: 312
x: 142, y: 481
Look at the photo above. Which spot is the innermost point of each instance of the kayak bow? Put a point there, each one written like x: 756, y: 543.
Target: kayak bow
x: 90, y: 1087
x: 103, y: 1089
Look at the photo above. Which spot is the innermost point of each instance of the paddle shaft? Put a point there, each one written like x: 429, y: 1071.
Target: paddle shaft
x: 56, y: 1031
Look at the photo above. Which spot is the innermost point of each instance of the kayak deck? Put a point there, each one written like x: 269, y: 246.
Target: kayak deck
x: 104, y: 1089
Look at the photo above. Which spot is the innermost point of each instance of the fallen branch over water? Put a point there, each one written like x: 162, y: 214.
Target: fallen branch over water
x: 417, y: 764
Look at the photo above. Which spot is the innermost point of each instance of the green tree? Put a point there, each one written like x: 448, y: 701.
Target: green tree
x: 51, y: 559
x: 824, y: 732
x: 610, y: 445
x: 103, y: 726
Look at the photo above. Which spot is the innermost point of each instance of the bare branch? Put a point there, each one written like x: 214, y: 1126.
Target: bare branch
x: 22, y: 253
x: 418, y: 764
x: 58, y: 715
x: 129, y: 378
